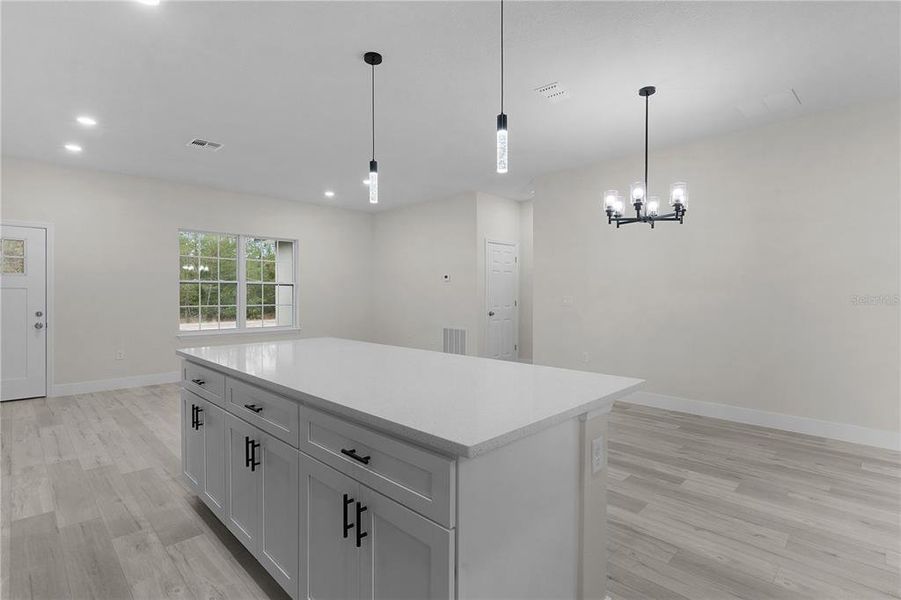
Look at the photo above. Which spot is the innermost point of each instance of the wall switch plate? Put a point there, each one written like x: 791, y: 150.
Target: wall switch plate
x: 586, y: 357
x: 120, y: 354
x: 567, y: 300
x: 597, y: 454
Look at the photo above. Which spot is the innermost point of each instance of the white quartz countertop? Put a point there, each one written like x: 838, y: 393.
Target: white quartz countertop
x: 459, y: 405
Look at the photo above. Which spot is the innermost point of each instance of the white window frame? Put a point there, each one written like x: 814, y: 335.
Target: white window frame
x: 241, y: 321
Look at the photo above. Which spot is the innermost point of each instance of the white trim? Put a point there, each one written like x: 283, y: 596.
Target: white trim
x: 485, y: 317
x: 49, y: 294
x: 102, y: 385
x: 856, y: 434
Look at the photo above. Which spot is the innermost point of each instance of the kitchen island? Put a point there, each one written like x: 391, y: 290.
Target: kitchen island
x: 359, y: 470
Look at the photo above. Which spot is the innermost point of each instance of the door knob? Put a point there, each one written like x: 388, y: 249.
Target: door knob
x: 39, y: 314
x: 38, y: 325
x: 490, y: 313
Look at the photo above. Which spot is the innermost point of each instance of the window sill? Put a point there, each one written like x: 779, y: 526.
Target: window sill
x: 235, y: 332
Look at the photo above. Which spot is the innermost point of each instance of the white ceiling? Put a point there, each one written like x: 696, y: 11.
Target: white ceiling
x: 283, y: 85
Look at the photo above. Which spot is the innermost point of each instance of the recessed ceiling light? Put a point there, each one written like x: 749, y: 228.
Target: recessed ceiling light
x: 329, y: 194
x: 86, y: 120
x: 73, y: 148
x: 149, y: 2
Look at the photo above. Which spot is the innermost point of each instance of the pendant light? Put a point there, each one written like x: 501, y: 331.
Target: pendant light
x: 502, y: 118
x: 372, y: 59
x: 638, y: 191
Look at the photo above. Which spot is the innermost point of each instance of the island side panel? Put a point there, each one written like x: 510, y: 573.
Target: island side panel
x: 593, y: 584
x: 518, y: 518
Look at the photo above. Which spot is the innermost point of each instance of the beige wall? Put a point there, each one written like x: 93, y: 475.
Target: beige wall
x: 750, y: 302
x: 413, y: 248
x: 116, y: 262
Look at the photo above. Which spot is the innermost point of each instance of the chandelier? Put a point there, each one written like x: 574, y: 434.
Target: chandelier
x: 647, y: 208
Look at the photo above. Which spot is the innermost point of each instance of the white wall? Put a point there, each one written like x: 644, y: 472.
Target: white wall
x: 116, y: 262
x: 497, y: 219
x: 413, y: 248
x: 525, y: 280
x: 750, y: 302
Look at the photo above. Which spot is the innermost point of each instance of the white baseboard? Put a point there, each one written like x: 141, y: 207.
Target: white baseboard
x: 879, y: 438
x: 102, y: 385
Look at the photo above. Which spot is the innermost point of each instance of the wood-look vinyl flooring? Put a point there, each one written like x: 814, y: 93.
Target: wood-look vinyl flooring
x: 93, y: 506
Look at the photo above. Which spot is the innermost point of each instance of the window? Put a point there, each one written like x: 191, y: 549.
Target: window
x: 229, y: 282
x: 13, y: 256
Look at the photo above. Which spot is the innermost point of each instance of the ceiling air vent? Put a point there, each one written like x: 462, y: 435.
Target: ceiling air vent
x: 553, y: 92
x: 205, y: 144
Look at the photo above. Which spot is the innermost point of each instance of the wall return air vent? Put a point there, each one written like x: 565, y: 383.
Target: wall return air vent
x: 204, y: 144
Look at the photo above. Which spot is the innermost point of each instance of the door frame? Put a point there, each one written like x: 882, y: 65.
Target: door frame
x: 50, y: 323
x: 484, y: 321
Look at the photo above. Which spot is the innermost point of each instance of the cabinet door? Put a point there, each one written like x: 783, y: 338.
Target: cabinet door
x: 329, y: 558
x: 242, y: 501
x: 213, y: 426
x: 404, y: 555
x: 191, y: 442
x: 279, y: 529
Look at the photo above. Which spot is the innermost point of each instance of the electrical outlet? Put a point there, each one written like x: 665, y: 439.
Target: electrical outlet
x: 597, y: 454
x: 586, y: 357
x: 120, y: 354
x: 567, y: 300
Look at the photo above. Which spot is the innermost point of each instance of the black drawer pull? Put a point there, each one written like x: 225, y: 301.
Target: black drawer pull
x: 360, y: 533
x: 254, y: 408
x: 353, y: 454
x: 347, y: 526
x: 199, y: 381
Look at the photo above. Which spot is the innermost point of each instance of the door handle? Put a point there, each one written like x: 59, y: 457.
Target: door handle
x: 38, y: 325
x: 360, y: 533
x: 353, y: 454
x: 347, y: 526
x: 490, y: 313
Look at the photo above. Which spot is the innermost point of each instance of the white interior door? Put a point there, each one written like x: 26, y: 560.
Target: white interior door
x: 501, y: 291
x: 23, y: 304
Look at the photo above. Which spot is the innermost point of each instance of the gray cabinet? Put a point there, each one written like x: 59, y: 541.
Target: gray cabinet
x: 359, y: 544
x: 203, y: 449
x: 261, y: 499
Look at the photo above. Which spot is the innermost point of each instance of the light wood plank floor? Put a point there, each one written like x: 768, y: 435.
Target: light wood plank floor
x: 93, y: 507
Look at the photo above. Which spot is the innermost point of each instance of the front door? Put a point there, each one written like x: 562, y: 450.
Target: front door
x: 501, y: 291
x: 23, y: 304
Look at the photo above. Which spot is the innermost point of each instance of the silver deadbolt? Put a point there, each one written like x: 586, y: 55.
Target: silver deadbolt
x: 39, y: 314
x: 490, y: 313
x: 38, y: 325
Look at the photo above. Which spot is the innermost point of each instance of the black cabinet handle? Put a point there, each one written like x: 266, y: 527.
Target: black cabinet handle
x: 246, y: 451
x: 197, y: 422
x: 254, y: 408
x: 353, y: 454
x: 254, y: 463
x: 193, y: 417
x: 360, y: 533
x: 199, y: 381
x: 347, y: 526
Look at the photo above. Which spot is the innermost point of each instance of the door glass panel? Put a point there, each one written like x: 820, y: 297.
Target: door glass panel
x: 13, y: 256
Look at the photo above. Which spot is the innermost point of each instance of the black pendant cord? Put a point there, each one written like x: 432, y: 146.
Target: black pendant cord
x: 502, y: 56
x: 373, y: 111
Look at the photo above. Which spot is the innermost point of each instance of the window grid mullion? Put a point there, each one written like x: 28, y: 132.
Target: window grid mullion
x: 242, y: 287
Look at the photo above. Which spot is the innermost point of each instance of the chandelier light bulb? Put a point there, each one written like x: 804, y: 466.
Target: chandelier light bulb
x: 618, y: 207
x: 678, y: 194
x: 610, y: 197
x: 637, y: 191
x: 373, y: 182
x: 653, y: 206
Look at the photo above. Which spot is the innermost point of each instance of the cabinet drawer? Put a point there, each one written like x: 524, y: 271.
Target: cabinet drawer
x: 270, y: 412
x: 204, y: 382
x: 416, y: 478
